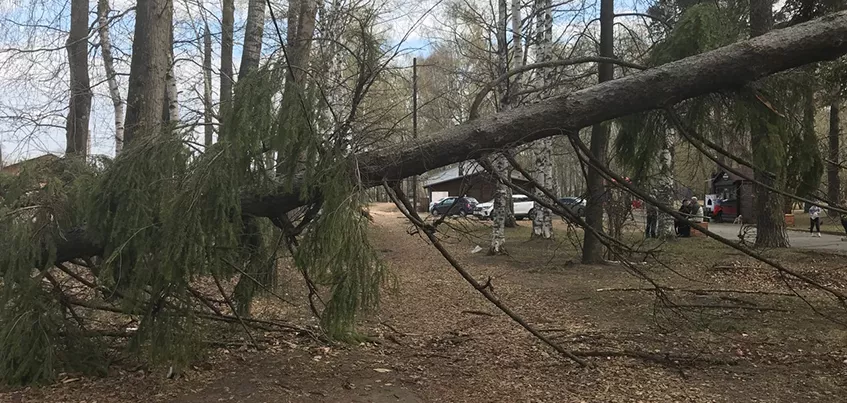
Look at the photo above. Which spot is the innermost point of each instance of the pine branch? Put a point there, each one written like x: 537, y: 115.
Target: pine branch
x: 726, y: 68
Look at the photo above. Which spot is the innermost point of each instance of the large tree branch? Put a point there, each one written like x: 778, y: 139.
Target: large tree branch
x: 721, y: 69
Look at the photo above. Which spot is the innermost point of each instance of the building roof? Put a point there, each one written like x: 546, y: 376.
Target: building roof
x: 15, y: 168
x: 726, y: 176
x: 469, y: 169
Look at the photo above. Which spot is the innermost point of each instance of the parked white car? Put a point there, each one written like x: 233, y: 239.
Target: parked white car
x: 522, y: 206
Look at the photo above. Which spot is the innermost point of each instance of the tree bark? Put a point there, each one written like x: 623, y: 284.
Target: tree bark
x: 79, y: 110
x: 592, y: 248
x: 171, y: 108
x: 208, y: 131
x: 148, y: 68
x: 514, y: 88
x: 103, y: 10
x: 227, y: 23
x: 665, y: 189
x: 253, y: 33
x: 834, y: 137
x: 517, y: 49
x: 722, y: 69
x: 499, y: 212
x: 770, y: 221
x: 542, y: 219
x: 300, y: 36
x: 301, y: 30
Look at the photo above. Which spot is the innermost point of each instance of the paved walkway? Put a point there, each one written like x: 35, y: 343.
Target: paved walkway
x: 797, y: 239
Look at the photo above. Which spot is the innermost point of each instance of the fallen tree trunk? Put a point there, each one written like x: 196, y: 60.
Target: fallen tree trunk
x: 726, y: 68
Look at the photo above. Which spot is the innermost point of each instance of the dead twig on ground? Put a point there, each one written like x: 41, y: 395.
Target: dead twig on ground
x: 234, y: 311
x: 699, y: 291
x: 660, y: 358
x: 480, y: 313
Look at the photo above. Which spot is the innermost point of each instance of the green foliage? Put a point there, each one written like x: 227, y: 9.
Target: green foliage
x: 702, y: 27
x: 336, y: 252
x: 786, y: 146
x: 167, y: 217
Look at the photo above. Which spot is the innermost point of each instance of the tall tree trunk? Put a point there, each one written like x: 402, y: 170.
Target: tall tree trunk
x: 517, y: 50
x: 103, y: 10
x: 207, y: 86
x: 514, y: 87
x: 542, y: 220
x: 592, y: 248
x: 301, y: 30
x: 148, y: 69
x: 770, y: 221
x: 79, y: 109
x: 665, y: 188
x: 501, y: 196
x: 171, y: 108
x: 833, y: 181
x: 300, y: 40
x: 500, y: 211
x: 227, y: 23
x: 253, y: 33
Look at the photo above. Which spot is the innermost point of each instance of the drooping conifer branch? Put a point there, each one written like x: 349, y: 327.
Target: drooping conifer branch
x: 726, y: 68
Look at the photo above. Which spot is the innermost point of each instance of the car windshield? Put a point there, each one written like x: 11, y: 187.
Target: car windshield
x: 471, y: 200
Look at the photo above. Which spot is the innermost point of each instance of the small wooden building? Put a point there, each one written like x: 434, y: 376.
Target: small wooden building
x: 469, y: 180
x: 734, y: 196
x: 16, y: 168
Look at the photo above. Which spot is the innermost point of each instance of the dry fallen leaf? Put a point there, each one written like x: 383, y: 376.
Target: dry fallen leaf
x: 382, y: 370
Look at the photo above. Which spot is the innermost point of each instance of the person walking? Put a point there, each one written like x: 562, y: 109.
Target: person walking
x: 815, y: 221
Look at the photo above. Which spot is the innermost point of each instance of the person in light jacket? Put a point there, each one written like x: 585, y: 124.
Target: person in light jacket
x: 652, y: 228
x: 696, y: 210
x: 815, y: 221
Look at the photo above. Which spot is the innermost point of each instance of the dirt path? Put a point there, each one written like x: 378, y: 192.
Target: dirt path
x: 439, y: 341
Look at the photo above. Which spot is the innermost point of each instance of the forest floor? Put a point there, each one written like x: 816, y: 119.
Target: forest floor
x: 435, y: 339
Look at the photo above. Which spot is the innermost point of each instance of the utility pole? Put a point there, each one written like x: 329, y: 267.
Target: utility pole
x: 415, y: 126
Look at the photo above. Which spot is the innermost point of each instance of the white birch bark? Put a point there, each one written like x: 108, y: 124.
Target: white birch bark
x: 170, y: 84
x: 111, y: 76
x: 665, y: 188
x: 542, y: 220
x: 207, y: 86
x: 501, y: 195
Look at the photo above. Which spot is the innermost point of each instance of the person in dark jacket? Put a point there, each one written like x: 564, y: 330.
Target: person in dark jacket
x: 682, y: 227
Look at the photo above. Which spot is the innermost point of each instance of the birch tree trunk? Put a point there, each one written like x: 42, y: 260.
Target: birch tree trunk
x: 227, y: 23
x: 665, y: 188
x: 542, y: 219
x: 592, y: 248
x: 501, y: 195
x: 253, y: 32
x: 79, y: 110
x: 171, y: 99
x: 518, y: 60
x: 207, y: 87
x: 148, y: 69
x: 103, y: 10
